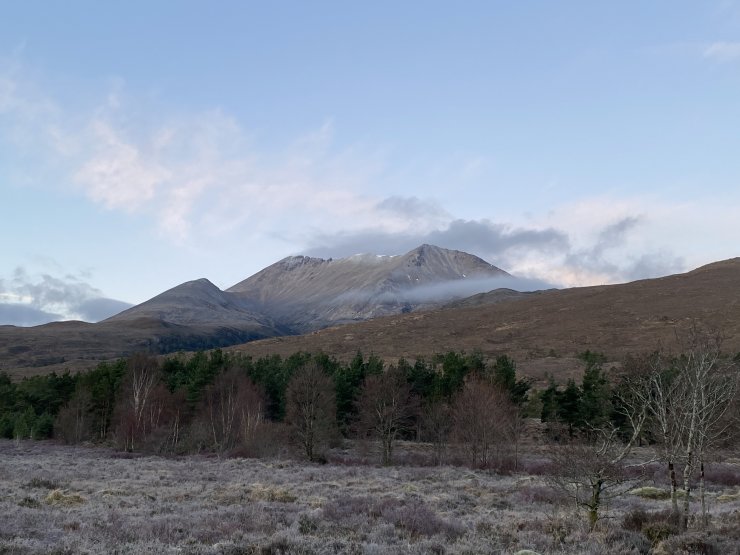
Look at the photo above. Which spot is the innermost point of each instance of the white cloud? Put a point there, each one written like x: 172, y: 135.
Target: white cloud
x: 28, y: 298
x: 723, y: 51
x: 118, y: 175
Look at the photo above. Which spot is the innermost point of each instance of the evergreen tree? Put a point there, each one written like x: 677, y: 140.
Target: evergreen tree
x: 549, y: 400
x: 596, y: 405
x: 504, y: 373
x: 569, y: 405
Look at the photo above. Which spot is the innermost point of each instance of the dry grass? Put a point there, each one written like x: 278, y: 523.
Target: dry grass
x: 101, y: 502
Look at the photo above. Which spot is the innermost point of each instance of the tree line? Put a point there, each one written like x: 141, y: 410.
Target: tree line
x: 217, y: 401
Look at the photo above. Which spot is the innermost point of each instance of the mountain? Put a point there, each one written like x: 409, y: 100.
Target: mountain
x: 545, y: 330
x: 296, y: 294
x: 194, y: 315
x: 306, y: 294
x: 199, y: 303
x: 416, y: 304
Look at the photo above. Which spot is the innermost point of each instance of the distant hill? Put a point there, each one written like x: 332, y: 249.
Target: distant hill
x: 545, y: 330
x: 200, y: 303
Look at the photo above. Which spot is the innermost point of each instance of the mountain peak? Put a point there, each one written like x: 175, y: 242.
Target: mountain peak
x: 308, y: 293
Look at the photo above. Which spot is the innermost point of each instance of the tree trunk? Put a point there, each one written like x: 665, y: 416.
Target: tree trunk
x: 674, y: 487
x: 593, y: 507
x: 387, y: 450
x: 702, y: 491
x: 687, y: 492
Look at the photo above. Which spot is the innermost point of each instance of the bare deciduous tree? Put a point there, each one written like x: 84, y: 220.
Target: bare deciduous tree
x: 591, y: 469
x: 436, y: 426
x: 72, y: 424
x: 710, y: 385
x: 311, y: 409
x: 687, y: 399
x: 134, y: 405
x: 232, y: 409
x: 484, y: 420
x: 386, y: 409
x: 589, y: 473
x: 651, y: 381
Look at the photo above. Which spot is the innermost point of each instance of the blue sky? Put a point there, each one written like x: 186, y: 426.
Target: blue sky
x: 144, y: 144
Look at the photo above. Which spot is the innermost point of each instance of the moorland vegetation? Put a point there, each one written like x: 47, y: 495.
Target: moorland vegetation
x: 651, y: 427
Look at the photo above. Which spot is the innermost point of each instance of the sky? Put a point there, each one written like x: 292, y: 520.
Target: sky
x: 144, y: 144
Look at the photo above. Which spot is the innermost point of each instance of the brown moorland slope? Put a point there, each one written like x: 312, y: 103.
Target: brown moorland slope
x: 545, y: 331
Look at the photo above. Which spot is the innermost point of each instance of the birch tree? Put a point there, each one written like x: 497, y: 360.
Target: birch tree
x: 710, y: 384
x: 139, y: 382
x: 484, y: 420
x: 311, y: 409
x: 386, y: 409
x: 232, y: 406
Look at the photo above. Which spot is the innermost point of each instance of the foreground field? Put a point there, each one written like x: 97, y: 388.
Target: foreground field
x: 57, y: 499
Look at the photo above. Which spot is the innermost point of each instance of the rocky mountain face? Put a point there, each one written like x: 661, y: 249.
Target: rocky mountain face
x: 200, y: 303
x: 306, y: 294
x: 295, y: 295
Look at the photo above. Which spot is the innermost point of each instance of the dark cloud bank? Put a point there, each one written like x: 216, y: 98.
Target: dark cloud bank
x: 502, y: 245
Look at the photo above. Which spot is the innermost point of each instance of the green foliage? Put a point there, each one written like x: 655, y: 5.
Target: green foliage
x: 549, y: 400
x: 102, y: 385
x: 7, y: 393
x: 422, y: 377
x: 46, y: 393
x: 273, y: 375
x: 581, y: 408
x: 27, y: 408
x: 569, y: 406
x: 595, y: 404
x: 347, y: 383
x: 503, y: 374
x: 455, y: 366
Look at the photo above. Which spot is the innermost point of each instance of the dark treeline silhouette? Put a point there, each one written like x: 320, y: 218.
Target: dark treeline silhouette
x: 112, y: 401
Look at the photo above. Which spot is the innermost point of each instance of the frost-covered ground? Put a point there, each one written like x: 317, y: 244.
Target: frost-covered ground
x: 58, y: 499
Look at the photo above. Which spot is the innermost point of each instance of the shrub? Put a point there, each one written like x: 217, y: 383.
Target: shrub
x: 307, y: 525
x: 723, y: 475
x: 649, y: 492
x: 345, y: 507
x: 42, y: 483
x: 537, y: 493
x: 271, y: 493
x: 419, y: 520
x: 659, y: 531
x: 635, y: 519
x: 694, y: 544
x: 29, y: 502
x: 58, y: 497
x: 655, y: 526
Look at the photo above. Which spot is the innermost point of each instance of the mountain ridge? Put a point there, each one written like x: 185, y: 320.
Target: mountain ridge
x: 544, y: 330
x: 296, y: 294
x: 309, y: 293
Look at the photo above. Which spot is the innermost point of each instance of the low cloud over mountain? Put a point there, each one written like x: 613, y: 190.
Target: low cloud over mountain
x: 30, y: 300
